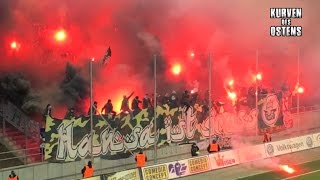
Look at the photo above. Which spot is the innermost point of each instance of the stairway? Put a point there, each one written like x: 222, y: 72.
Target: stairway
x: 27, y: 148
x: 21, y: 145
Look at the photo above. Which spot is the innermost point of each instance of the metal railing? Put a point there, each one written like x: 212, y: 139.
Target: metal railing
x: 13, y: 120
x: 15, y: 117
x: 22, y: 155
x: 303, y: 109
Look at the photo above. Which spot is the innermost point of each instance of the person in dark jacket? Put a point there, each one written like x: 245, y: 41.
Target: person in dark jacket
x: 194, y: 150
x: 173, y: 100
x: 266, y: 137
x: 70, y: 114
x: 108, y: 109
x: 48, y: 110
x: 94, y: 109
x: 135, y: 104
x: 165, y: 99
x: 125, y: 103
x: 146, y: 102
x: 185, y: 100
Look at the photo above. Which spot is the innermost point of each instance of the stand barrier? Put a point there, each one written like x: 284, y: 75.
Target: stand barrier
x: 187, y: 167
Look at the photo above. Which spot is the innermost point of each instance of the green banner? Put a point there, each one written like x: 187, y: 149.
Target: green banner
x: 114, y: 138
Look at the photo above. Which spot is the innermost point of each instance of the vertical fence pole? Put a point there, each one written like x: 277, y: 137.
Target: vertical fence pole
x: 26, y: 139
x: 210, y: 98
x: 3, y: 125
x: 256, y: 78
x: 298, y: 94
x: 91, y: 113
x: 155, y: 109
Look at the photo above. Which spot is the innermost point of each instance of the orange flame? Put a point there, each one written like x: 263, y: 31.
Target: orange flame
x: 259, y: 76
x: 232, y: 97
x: 176, y: 69
x: 287, y: 169
x: 13, y: 45
x: 300, y: 90
x: 231, y: 82
x: 60, y: 35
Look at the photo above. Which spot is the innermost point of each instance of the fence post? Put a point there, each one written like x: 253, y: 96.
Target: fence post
x: 3, y: 121
x: 26, y: 139
x: 3, y: 126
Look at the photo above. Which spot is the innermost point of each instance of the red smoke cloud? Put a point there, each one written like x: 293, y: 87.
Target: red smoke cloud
x: 136, y: 30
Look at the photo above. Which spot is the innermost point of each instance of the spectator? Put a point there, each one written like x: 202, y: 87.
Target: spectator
x: 266, y: 137
x: 13, y: 176
x: 146, y: 102
x: 158, y: 97
x: 94, y: 109
x: 108, y: 109
x: 87, y: 170
x: 213, y: 147
x: 165, y: 99
x: 194, y: 150
x: 194, y: 98
x: 48, y: 110
x: 173, y: 100
x: 70, y: 114
x: 46, y: 113
x: 219, y: 107
x: 135, y: 104
x: 140, y: 159
x: 125, y: 103
x: 285, y: 86
x: 185, y: 100
x: 42, y: 144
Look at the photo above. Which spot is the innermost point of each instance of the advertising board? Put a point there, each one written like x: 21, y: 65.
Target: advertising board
x: 278, y: 148
x: 199, y: 164
x: 93, y: 178
x: 132, y: 174
x: 178, y: 169
x: 157, y: 172
x: 252, y: 153
x: 316, y: 138
x: 223, y: 159
x: 301, y: 143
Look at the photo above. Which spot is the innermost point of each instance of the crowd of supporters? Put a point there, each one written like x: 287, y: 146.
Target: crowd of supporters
x: 132, y: 103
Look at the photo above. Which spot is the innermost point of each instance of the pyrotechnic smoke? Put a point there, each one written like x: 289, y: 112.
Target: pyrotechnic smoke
x: 135, y: 30
x: 18, y: 90
x: 75, y: 88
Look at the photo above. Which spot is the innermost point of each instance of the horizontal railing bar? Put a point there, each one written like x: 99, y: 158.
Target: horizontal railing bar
x: 18, y: 157
x: 18, y: 150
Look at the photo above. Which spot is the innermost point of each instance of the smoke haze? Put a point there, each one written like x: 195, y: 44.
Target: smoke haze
x: 231, y: 30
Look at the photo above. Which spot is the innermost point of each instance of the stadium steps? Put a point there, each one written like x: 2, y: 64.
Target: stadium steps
x: 17, y: 141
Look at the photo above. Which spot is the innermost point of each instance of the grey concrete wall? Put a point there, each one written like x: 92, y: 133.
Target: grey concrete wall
x: 71, y: 170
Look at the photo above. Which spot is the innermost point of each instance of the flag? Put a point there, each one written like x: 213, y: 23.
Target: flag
x: 107, y: 55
